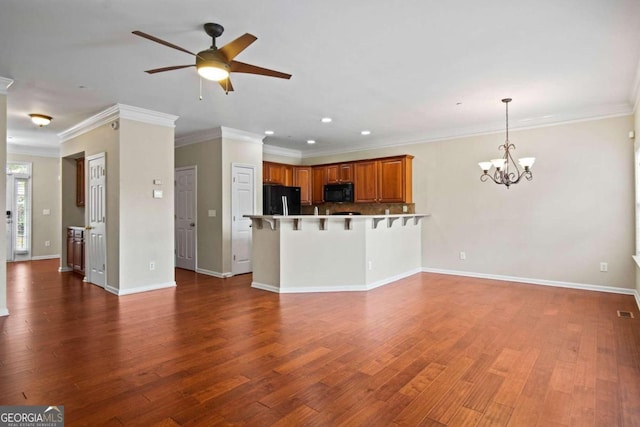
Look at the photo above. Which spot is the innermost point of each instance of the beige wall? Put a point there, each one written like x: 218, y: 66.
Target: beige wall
x: 267, y: 157
x: 45, y: 194
x: 577, y: 212
x: 146, y: 223
x: 102, y: 139
x: 206, y: 156
x: 214, y: 160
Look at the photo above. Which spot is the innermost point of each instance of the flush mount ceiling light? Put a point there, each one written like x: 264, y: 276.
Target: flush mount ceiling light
x: 365, y: 132
x: 269, y: 132
x: 502, y: 175
x: 311, y: 141
x: 326, y: 120
x: 40, y: 119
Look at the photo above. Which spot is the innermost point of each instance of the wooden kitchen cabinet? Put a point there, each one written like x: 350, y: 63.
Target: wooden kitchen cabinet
x: 80, y: 182
x: 302, y: 177
x: 340, y: 173
x: 75, y: 249
x: 386, y: 180
x: 366, y: 181
x: 277, y: 173
x: 273, y: 173
x: 394, y: 180
x: 318, y: 180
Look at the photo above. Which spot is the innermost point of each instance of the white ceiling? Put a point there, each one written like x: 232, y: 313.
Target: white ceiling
x: 396, y: 68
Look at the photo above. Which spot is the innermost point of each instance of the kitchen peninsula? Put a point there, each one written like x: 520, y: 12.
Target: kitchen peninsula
x: 330, y: 253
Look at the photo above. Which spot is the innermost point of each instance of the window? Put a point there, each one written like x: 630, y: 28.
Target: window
x: 18, y: 210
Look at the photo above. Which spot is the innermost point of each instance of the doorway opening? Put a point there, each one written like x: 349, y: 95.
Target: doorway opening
x: 18, y: 214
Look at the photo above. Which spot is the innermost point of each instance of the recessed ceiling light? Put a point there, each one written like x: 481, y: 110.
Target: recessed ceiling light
x: 311, y: 141
x: 269, y: 132
x: 326, y: 120
x: 365, y: 132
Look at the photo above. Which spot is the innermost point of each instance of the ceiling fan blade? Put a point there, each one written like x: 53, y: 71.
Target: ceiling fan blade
x: 232, y: 49
x: 226, y: 85
x: 174, y: 67
x: 241, y: 67
x: 162, y: 42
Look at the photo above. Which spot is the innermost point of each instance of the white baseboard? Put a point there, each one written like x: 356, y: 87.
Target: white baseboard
x: 213, y: 273
x: 39, y: 257
x: 265, y: 287
x: 64, y: 269
x: 344, y: 288
x: 554, y: 283
x: 637, y: 295
x: 4, y: 312
x: 139, y: 289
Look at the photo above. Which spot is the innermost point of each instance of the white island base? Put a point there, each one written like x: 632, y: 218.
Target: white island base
x: 320, y: 253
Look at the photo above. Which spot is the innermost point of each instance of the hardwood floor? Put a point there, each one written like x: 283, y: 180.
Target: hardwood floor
x: 429, y: 350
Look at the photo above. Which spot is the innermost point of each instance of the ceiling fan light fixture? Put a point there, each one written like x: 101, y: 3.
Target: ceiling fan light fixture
x: 212, y: 72
x: 211, y: 65
x: 40, y: 119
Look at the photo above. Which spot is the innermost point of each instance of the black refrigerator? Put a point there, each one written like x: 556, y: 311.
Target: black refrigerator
x: 280, y: 200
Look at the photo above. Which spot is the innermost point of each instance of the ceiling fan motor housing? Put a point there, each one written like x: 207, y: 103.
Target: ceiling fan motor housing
x: 212, y: 58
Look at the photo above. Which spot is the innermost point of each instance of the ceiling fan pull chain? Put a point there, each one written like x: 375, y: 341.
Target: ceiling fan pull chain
x: 200, y: 88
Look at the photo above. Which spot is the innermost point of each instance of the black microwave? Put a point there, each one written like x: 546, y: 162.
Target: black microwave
x: 338, y: 192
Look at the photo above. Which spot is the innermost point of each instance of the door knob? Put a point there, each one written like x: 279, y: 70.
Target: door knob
x: 193, y: 224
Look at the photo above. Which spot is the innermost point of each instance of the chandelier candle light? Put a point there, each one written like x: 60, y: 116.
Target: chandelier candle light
x: 502, y: 175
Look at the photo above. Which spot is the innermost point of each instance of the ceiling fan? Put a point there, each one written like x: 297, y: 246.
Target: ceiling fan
x: 216, y: 64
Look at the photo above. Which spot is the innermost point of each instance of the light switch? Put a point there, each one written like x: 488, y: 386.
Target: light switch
x: 46, y: 211
x: 157, y: 182
x: 212, y: 212
x: 157, y: 194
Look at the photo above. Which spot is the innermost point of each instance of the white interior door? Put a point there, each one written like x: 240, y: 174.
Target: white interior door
x: 95, y: 237
x: 185, y: 218
x: 242, y: 203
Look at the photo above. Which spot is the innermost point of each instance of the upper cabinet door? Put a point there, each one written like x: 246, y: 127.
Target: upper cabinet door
x: 318, y: 180
x: 273, y: 173
x: 394, y: 180
x: 302, y: 178
x: 340, y: 173
x: 366, y: 181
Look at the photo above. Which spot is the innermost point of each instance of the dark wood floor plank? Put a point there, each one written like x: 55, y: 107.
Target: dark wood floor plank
x: 427, y: 350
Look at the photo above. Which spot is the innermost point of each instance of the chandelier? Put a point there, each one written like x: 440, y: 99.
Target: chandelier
x: 507, y: 171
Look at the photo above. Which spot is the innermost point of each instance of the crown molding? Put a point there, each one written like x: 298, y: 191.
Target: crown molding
x: 5, y: 83
x: 118, y: 111
x: 218, y: 133
x: 29, y: 150
x: 281, y: 151
x: 241, y: 135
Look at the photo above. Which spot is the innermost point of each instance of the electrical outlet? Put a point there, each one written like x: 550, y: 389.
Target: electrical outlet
x: 152, y: 265
x: 405, y: 208
x: 604, y: 267
x: 370, y: 265
x: 463, y: 256
x: 47, y: 243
